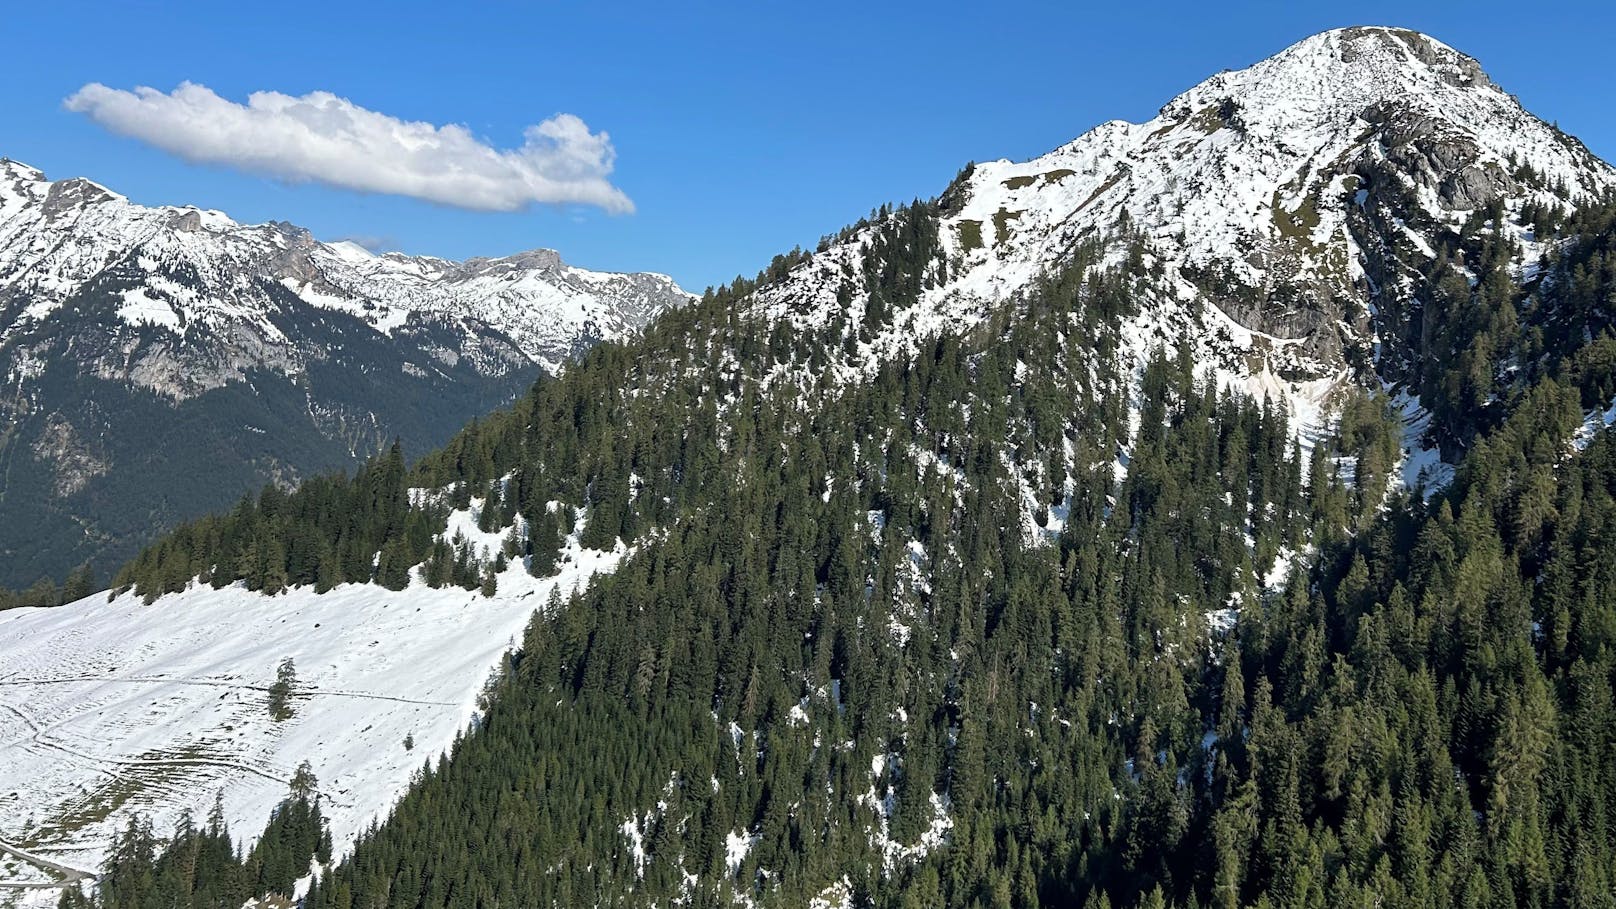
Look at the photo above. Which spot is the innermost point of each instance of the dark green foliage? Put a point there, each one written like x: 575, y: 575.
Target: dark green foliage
x: 296, y: 833
x: 281, y: 690
x: 804, y: 525
x: 1479, y: 340
x: 201, y: 868
x: 964, y: 584
x: 332, y: 530
x: 80, y: 583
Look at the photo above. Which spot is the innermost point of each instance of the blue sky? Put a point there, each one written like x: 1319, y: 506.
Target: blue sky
x: 739, y: 130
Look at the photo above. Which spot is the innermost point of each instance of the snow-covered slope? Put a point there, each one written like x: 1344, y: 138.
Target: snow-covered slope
x: 1258, y: 169
x: 1285, y: 211
x: 183, y: 268
x: 112, y: 708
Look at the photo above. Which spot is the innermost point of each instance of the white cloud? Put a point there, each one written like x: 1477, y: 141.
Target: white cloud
x: 376, y: 243
x: 326, y: 139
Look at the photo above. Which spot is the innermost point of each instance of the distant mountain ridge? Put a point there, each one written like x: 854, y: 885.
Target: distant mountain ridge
x: 187, y: 265
x: 125, y: 329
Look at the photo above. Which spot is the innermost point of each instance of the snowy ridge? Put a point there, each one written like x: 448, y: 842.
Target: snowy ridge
x: 112, y: 708
x: 1222, y: 174
x: 1253, y: 195
x: 185, y: 267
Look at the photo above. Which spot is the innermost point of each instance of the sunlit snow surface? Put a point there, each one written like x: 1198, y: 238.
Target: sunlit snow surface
x: 112, y: 708
x: 57, y: 237
x: 1593, y: 423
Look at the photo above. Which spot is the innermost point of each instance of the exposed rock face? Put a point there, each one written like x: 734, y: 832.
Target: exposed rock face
x: 1444, y: 62
x: 74, y: 462
x: 1429, y: 152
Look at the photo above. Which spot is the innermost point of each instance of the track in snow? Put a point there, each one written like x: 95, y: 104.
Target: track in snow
x: 220, y: 683
x: 69, y: 874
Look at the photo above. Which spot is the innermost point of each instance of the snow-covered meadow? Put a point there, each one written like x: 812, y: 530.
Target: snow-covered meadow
x: 108, y: 709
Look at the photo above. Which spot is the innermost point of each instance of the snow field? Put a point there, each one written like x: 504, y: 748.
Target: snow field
x: 112, y: 708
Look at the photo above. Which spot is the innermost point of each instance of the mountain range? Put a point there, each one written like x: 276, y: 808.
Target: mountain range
x: 161, y: 362
x: 1212, y: 511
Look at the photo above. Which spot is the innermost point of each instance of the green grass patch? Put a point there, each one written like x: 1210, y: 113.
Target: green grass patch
x: 970, y: 235
x: 1296, y: 225
x: 1161, y: 131
x: 1100, y: 190
x: 1208, y: 119
x: 131, y: 781
x: 1001, y: 225
x: 1048, y: 178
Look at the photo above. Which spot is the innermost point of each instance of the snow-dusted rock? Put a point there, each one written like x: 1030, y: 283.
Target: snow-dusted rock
x: 1285, y: 208
x: 184, y: 268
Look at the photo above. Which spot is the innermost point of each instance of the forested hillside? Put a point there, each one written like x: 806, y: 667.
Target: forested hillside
x: 1013, y: 601
x: 909, y: 690
x: 956, y: 636
x: 193, y: 866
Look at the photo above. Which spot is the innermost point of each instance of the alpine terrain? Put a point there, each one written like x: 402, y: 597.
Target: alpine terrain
x: 1215, y: 511
x: 161, y: 362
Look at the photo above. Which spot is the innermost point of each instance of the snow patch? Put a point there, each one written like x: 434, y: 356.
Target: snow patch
x: 140, y: 308
x: 736, y: 846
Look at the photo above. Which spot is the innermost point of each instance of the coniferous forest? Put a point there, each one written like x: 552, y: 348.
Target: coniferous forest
x: 195, y: 867
x: 960, y: 635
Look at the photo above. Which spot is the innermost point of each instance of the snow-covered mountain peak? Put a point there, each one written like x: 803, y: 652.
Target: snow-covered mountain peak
x: 1253, y: 164
x: 1341, y: 68
x: 1288, y: 213
x: 533, y: 259
x: 17, y: 180
x: 181, y: 268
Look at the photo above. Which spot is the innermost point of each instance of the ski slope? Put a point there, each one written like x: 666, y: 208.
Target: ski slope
x: 113, y: 708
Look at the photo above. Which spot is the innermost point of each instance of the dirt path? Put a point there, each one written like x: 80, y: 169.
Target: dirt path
x: 70, y: 875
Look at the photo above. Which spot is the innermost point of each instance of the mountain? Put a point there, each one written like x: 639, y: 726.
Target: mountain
x: 160, y: 362
x: 1297, y: 216
x: 1215, y: 511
